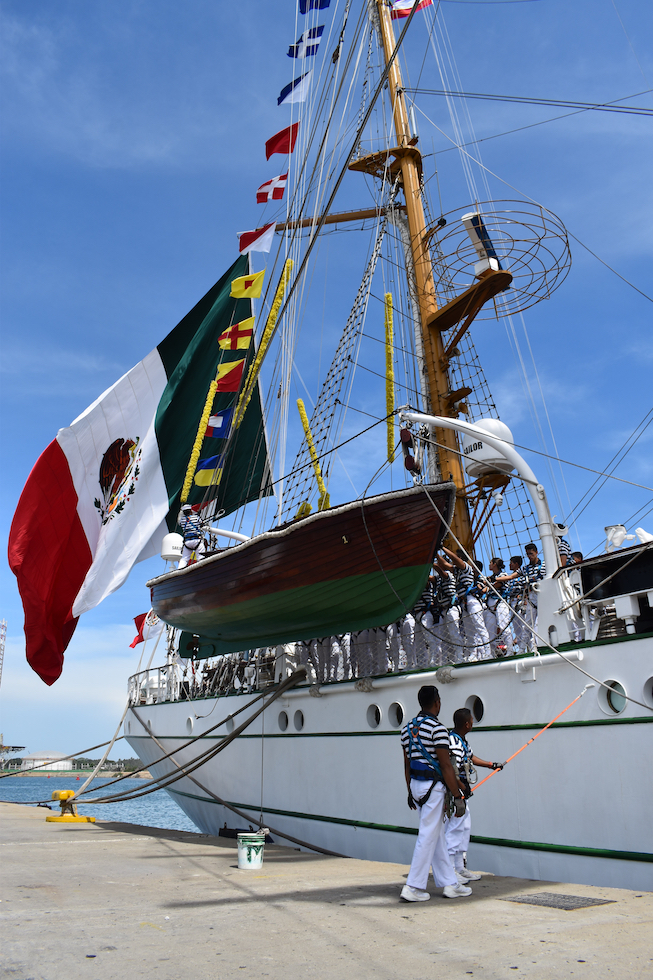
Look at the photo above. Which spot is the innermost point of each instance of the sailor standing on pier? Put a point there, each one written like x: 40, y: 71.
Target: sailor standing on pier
x: 429, y: 773
x: 458, y: 829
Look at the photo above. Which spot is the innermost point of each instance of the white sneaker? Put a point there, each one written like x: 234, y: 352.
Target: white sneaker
x: 466, y: 875
x: 410, y: 894
x: 456, y: 891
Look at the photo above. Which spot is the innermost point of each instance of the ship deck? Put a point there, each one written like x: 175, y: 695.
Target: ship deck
x: 109, y: 899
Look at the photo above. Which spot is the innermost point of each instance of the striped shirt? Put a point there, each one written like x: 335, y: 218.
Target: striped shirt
x: 191, y: 527
x: 460, y: 748
x: 425, y: 601
x: 433, y: 736
x: 445, y: 591
x: 564, y: 548
x: 464, y: 580
x: 533, y: 573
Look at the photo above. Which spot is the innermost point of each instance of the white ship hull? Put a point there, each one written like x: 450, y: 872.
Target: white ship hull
x: 575, y: 805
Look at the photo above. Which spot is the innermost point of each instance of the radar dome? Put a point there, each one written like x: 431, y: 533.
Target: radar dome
x: 482, y: 459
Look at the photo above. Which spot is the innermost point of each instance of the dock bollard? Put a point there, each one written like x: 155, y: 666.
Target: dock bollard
x: 250, y: 850
x: 69, y: 814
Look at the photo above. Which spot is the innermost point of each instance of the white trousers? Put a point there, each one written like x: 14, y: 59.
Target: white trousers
x: 497, y: 620
x: 524, y: 639
x: 192, y: 550
x: 477, y: 641
x: 448, y: 633
x: 456, y: 832
x: 430, y: 847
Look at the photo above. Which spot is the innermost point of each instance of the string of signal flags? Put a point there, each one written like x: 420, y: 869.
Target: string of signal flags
x: 306, y: 46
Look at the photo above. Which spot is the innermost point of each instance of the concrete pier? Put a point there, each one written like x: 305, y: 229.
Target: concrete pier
x: 110, y: 900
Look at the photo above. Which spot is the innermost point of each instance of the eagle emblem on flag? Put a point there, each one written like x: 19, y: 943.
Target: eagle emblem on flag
x: 118, y: 476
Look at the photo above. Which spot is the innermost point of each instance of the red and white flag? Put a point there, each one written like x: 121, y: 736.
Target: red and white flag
x: 139, y: 623
x: 402, y: 8
x: 272, y: 190
x: 259, y: 240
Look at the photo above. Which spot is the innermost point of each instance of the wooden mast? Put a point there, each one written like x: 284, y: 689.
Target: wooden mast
x: 408, y: 158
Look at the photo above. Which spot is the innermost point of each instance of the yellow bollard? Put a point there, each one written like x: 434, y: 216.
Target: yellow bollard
x: 68, y: 808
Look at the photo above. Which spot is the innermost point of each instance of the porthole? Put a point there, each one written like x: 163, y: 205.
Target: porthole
x: 374, y: 716
x: 298, y: 720
x: 283, y: 720
x: 189, y: 726
x: 229, y: 724
x: 128, y: 727
x: 476, y: 706
x: 648, y: 692
x: 612, y: 697
x: 396, y: 714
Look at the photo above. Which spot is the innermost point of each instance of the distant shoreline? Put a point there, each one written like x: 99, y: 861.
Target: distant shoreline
x: 78, y: 773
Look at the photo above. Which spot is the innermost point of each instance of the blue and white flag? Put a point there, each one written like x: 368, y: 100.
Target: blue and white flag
x: 219, y: 425
x: 306, y: 5
x: 306, y: 46
x: 296, y: 91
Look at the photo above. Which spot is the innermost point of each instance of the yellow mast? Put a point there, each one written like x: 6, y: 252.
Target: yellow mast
x: 409, y: 160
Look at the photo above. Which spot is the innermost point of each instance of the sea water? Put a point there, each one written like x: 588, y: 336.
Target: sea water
x: 157, y: 809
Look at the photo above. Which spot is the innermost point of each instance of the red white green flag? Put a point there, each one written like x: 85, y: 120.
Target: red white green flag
x: 106, y: 490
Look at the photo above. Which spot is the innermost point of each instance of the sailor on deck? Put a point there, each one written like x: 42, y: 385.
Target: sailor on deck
x: 193, y: 534
x: 429, y: 773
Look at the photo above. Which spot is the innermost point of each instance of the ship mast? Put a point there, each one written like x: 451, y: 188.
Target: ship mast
x: 409, y: 161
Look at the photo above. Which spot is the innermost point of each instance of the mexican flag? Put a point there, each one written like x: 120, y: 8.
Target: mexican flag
x: 104, y: 493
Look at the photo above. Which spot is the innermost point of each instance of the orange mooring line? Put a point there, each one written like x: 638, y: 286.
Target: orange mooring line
x: 494, y: 771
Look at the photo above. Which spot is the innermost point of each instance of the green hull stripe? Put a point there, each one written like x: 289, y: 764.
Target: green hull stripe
x: 600, y: 852
x: 412, y: 831
x: 363, y: 601
x: 590, y: 723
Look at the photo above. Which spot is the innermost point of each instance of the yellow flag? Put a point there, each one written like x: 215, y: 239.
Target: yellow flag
x: 238, y: 336
x: 248, y: 287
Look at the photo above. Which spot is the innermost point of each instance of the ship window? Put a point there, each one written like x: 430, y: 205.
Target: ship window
x: 298, y: 720
x: 396, y: 714
x: 648, y: 692
x: 476, y: 706
x: 615, y: 696
x: 230, y: 724
x: 128, y: 727
x: 283, y: 720
x: 189, y: 725
x: 374, y: 716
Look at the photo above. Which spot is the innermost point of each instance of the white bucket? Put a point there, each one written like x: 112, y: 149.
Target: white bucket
x: 250, y: 851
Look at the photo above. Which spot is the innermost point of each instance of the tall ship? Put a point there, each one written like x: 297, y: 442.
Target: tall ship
x: 290, y: 631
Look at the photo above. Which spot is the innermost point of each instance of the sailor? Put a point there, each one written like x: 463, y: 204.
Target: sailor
x: 473, y: 628
x: 514, y: 585
x: 497, y: 612
x: 429, y: 773
x: 533, y: 572
x: 448, y: 613
x: 458, y: 829
x: 564, y: 548
x: 417, y: 629
x: 191, y: 529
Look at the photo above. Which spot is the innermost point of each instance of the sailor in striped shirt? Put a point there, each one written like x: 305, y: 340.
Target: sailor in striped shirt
x: 193, y: 533
x: 458, y: 829
x: 428, y: 772
x: 473, y: 628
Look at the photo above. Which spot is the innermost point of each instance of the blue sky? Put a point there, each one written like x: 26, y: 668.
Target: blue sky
x: 132, y: 146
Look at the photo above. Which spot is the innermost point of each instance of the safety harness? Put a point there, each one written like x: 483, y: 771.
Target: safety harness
x: 429, y: 769
x: 468, y: 775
